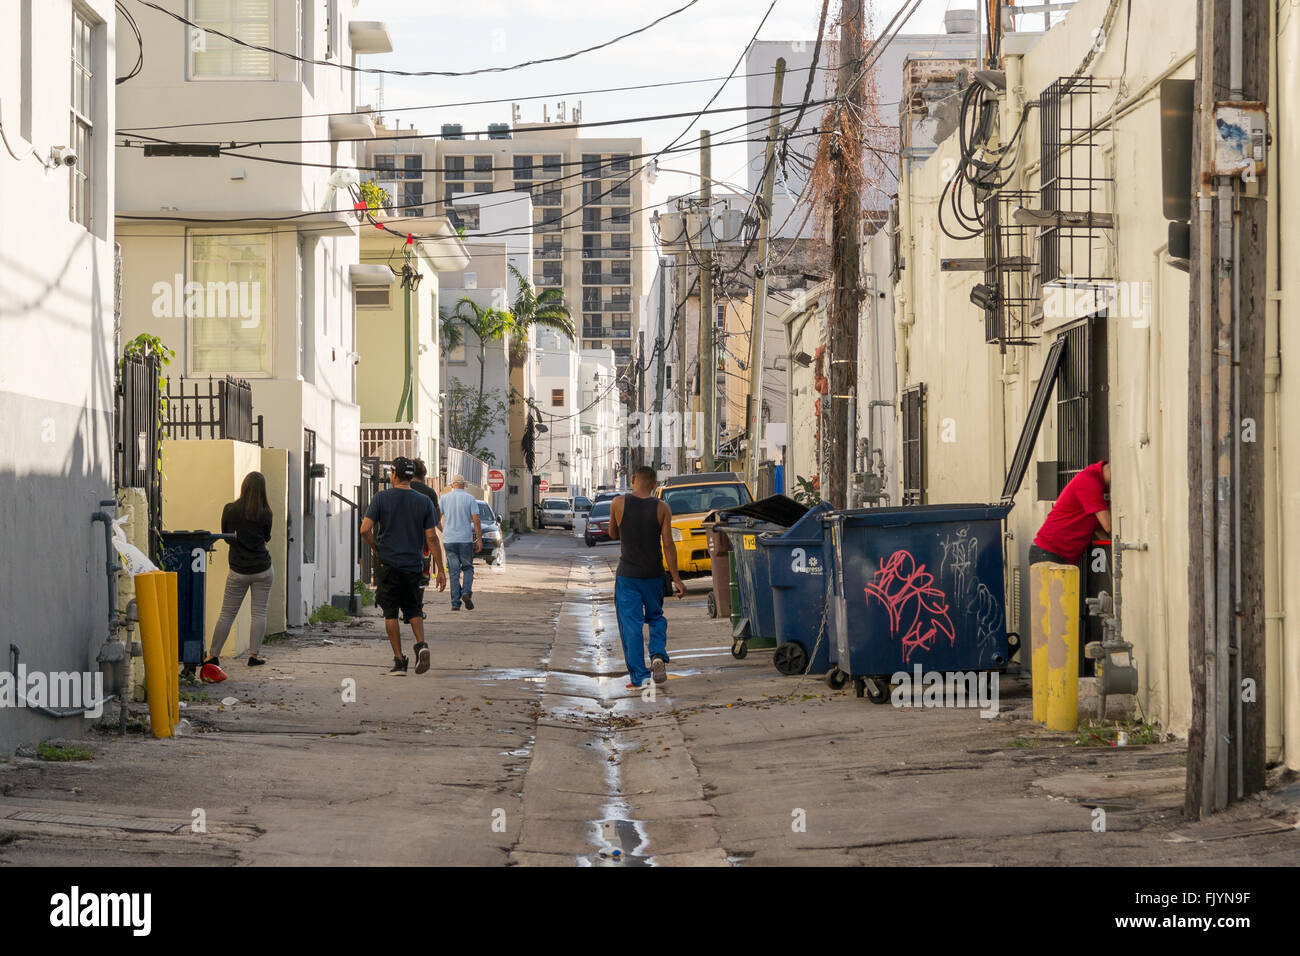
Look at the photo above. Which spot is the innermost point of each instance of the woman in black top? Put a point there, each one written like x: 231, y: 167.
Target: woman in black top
x: 249, y: 519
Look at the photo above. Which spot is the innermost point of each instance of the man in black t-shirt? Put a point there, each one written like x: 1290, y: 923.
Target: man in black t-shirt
x: 407, y: 525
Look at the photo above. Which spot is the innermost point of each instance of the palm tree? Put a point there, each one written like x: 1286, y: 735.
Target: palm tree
x: 533, y: 309
x: 487, y: 323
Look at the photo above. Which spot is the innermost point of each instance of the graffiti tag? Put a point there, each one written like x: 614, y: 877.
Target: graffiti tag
x: 918, y: 611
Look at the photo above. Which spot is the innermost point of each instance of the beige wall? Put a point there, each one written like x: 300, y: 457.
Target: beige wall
x: 977, y: 400
x: 199, y: 479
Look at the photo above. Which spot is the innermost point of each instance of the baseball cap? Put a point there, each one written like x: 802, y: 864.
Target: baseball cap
x: 404, y: 468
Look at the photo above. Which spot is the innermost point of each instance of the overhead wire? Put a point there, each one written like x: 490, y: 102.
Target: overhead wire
x: 353, y: 68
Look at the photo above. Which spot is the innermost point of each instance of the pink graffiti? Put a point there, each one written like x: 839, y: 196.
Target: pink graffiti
x: 916, y: 608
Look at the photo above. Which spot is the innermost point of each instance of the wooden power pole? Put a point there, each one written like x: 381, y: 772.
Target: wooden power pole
x: 758, y: 314
x: 1226, y: 747
x: 708, y: 362
x: 845, y: 240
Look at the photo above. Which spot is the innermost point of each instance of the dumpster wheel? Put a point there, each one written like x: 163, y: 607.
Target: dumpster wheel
x: 836, y: 678
x: 739, y: 649
x: 875, y: 689
x: 790, y: 659
x: 713, y: 605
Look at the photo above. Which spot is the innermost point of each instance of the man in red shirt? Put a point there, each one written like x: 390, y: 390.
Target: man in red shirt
x: 1082, y: 507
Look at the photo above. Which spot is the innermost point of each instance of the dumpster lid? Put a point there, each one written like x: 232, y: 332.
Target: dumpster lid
x: 808, y: 528
x: 1034, y: 421
x: 777, y: 509
x: 921, y: 514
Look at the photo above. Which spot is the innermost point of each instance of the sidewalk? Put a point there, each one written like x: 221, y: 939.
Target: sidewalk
x: 522, y: 747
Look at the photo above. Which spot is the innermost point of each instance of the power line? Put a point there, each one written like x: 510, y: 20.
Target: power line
x: 438, y: 106
x: 352, y: 68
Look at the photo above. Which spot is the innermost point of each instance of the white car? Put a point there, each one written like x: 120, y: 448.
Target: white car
x: 557, y: 512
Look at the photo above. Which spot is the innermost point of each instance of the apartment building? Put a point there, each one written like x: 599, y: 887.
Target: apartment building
x: 57, y: 322
x: 590, y: 227
x: 265, y: 225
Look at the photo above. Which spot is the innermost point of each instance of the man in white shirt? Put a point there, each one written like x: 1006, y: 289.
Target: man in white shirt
x: 462, y: 538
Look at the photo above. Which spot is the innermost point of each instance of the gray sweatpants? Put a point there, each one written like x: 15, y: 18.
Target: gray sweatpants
x: 236, y: 585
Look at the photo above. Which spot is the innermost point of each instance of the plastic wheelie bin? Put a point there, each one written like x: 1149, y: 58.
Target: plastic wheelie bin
x: 186, y: 553
x: 916, y: 585
x: 796, y: 566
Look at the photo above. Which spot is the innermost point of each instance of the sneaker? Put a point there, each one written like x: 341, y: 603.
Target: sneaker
x: 255, y: 661
x: 455, y: 607
x: 469, y: 602
x: 421, y: 657
x: 659, y: 668
x: 399, y: 667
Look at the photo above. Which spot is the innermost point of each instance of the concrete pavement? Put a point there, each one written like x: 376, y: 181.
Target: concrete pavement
x: 522, y: 747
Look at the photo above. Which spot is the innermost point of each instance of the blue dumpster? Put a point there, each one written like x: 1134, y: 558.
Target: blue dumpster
x: 916, y: 585
x: 186, y: 553
x: 754, y: 622
x: 796, y: 565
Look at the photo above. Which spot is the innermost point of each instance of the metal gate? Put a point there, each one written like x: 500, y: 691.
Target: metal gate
x: 138, y: 413
x: 374, y: 479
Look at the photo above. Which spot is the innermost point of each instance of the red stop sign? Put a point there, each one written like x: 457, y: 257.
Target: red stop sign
x: 496, y: 480
x: 544, y: 486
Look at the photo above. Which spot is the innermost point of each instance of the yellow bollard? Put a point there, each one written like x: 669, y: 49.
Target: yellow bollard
x: 151, y: 637
x: 173, y: 649
x: 1038, y: 624
x: 1062, y: 650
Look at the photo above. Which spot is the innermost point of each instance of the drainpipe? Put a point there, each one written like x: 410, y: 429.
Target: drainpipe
x: 403, y: 403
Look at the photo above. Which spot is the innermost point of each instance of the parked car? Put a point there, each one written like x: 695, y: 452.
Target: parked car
x: 597, y: 524
x: 610, y: 495
x: 581, y: 505
x: 491, y: 527
x: 557, y: 512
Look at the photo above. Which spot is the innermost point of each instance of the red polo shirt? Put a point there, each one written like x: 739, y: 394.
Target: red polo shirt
x: 1073, y: 520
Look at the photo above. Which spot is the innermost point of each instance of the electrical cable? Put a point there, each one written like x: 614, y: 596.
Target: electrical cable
x: 352, y: 68
x: 139, y: 40
x: 439, y: 106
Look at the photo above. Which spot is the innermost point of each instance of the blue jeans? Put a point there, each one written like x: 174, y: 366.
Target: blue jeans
x: 640, y: 601
x: 460, y: 560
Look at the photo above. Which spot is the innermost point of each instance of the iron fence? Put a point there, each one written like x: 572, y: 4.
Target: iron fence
x: 212, y: 409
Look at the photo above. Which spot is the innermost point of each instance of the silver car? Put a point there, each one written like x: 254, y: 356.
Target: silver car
x: 491, y: 531
x: 557, y: 513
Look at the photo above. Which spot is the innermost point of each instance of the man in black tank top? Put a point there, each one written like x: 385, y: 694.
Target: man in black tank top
x: 643, y: 523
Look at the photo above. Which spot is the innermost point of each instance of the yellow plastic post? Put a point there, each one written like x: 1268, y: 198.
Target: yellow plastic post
x: 1038, y: 622
x: 155, y: 666
x: 173, y: 648
x: 1058, y: 614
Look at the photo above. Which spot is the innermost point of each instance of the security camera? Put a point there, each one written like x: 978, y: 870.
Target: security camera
x: 63, y: 156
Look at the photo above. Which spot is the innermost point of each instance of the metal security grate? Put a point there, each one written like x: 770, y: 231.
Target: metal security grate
x: 914, y: 445
x: 1074, y: 245
x: 1073, y: 405
x: 1010, y: 271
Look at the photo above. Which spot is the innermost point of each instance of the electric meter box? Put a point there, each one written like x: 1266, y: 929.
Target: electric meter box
x: 1240, y: 139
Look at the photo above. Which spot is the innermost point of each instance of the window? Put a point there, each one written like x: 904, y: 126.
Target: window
x: 308, y: 497
x: 591, y: 166
x: 405, y: 187
x: 523, y: 167
x: 372, y: 297
x: 214, y: 56
x: 229, y: 322
x: 914, y: 445
x: 81, y: 205
x: 696, y: 499
x: 453, y: 167
x: 621, y: 163
x: 551, y: 164
x: 557, y: 398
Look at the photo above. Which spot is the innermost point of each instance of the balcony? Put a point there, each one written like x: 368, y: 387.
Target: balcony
x: 481, y: 175
x: 550, y: 252
x: 606, y: 278
x: 547, y: 279
x: 389, y: 440
x: 606, y: 332
x: 605, y: 252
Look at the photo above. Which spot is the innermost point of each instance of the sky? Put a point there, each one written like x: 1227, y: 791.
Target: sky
x: 704, y: 41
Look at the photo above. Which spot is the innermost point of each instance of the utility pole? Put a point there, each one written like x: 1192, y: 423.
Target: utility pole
x: 708, y: 362
x: 846, y: 232
x: 680, y: 297
x: 661, y: 346
x: 758, y: 314
x: 1226, y: 747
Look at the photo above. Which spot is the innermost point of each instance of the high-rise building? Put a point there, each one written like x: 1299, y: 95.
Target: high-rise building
x: 590, y: 222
